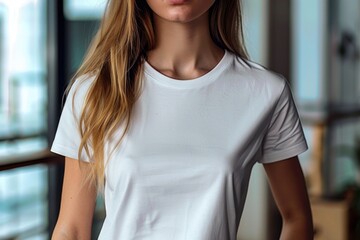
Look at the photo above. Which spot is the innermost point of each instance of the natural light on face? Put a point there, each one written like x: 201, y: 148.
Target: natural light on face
x: 23, y: 115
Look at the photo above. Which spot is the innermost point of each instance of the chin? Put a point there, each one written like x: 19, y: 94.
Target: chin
x: 182, y: 15
x: 182, y: 11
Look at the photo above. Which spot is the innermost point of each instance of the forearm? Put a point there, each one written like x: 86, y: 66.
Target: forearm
x: 299, y: 229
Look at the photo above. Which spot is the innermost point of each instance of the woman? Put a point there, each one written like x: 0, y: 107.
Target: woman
x: 168, y: 116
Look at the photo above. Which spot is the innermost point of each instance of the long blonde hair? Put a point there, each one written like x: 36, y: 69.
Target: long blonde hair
x: 116, y: 57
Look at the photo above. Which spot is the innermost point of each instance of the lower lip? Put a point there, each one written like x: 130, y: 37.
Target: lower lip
x: 178, y: 2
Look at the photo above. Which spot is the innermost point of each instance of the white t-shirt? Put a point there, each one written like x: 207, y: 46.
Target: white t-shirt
x: 182, y: 171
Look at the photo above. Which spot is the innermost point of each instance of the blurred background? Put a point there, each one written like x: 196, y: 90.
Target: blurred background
x: 313, y: 43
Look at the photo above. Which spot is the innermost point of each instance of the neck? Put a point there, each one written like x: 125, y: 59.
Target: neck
x: 181, y: 46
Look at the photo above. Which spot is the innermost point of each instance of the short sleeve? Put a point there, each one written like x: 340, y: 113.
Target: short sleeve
x: 285, y: 136
x: 67, y: 138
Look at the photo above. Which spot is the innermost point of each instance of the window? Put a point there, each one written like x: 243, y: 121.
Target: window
x: 23, y: 100
x: 23, y: 118
x: 23, y: 203
x: 84, y: 10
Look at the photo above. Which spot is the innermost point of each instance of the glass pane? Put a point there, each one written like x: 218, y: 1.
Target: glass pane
x: 308, y: 38
x: 23, y: 95
x: 23, y: 203
x: 254, y: 27
x: 84, y: 10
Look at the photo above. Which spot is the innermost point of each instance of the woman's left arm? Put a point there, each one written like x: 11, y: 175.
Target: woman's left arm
x: 288, y: 188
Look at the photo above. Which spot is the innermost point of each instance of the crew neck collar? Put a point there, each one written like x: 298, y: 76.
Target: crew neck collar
x: 204, y: 79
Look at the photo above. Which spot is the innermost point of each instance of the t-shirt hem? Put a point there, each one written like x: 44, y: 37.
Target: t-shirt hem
x: 66, y: 152
x: 288, y: 153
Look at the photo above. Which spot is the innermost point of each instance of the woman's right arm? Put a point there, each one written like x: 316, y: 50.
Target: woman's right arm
x: 77, y: 204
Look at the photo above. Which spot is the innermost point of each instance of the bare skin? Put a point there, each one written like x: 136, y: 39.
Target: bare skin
x: 77, y: 204
x: 288, y: 188
x: 184, y: 48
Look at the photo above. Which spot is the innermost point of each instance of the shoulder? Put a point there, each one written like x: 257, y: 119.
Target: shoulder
x: 77, y: 91
x: 260, y: 79
x: 80, y: 86
x: 263, y: 75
